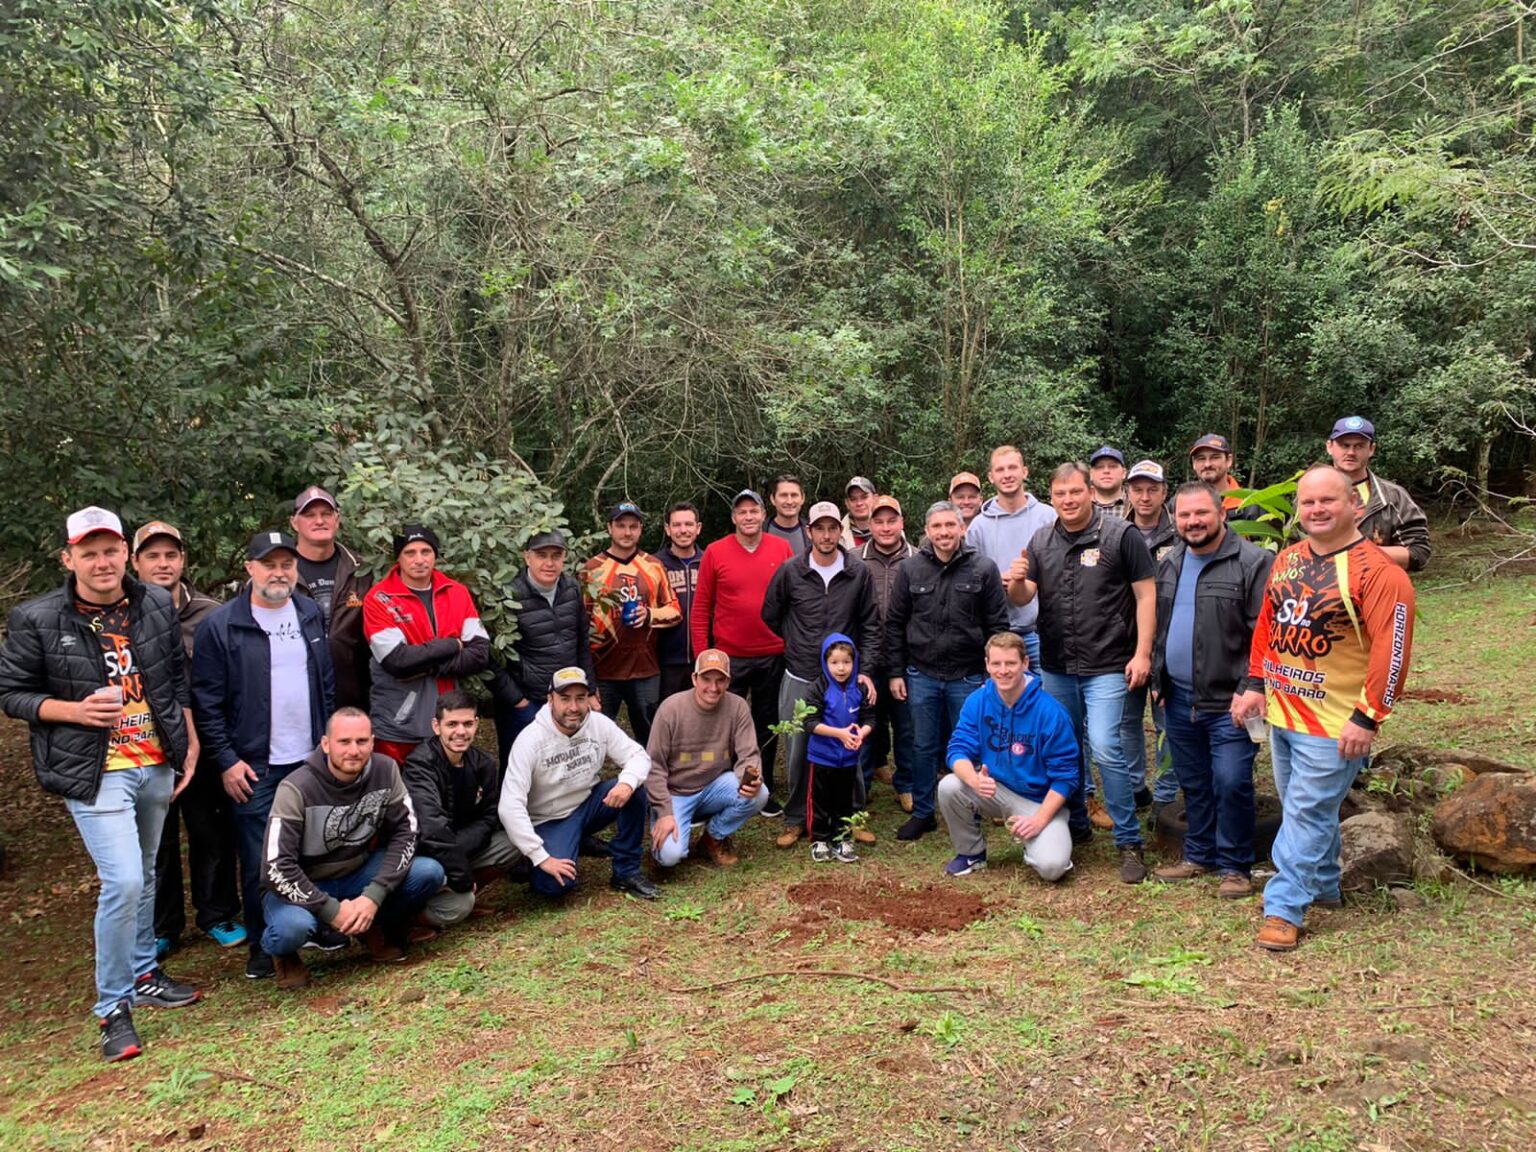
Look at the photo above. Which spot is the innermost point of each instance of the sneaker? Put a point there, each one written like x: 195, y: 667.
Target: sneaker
x: 772, y: 810
x: 1143, y: 798
x: 163, y: 946
x: 1183, y: 870
x: 916, y: 828
x: 1098, y: 815
x: 119, y: 1040
x: 1133, y: 869
x: 258, y: 966
x: 1081, y: 833
x: 635, y: 885
x: 790, y: 836
x: 326, y: 939
x: 1278, y: 935
x: 863, y: 836
x: 821, y: 852
x: 1234, y: 886
x: 963, y: 865
x: 229, y: 934
x: 157, y: 990
x: 720, y: 853
x: 905, y: 800
x: 291, y: 973
x: 844, y: 853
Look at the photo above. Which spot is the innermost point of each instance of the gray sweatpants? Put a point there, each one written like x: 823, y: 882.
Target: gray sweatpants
x: 448, y: 907
x: 1049, y: 854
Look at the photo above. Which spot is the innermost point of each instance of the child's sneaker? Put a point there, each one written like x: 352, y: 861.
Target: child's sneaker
x: 843, y: 852
x: 821, y: 852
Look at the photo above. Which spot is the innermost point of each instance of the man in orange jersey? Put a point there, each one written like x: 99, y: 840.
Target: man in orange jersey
x: 1332, y: 646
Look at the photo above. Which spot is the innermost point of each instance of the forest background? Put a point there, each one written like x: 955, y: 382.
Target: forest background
x: 498, y: 263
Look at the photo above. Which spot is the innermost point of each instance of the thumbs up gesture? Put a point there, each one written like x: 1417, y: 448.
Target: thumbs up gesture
x: 1019, y: 569
x: 985, y: 786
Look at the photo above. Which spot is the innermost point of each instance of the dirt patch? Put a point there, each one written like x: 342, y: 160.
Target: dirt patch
x: 1436, y: 696
x: 926, y: 908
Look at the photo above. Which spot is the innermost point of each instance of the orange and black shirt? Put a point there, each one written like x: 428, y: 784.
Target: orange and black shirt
x: 622, y: 652
x: 135, y: 741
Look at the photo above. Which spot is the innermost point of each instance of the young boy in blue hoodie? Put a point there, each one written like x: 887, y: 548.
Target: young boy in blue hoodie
x: 1013, y: 756
x: 839, y: 723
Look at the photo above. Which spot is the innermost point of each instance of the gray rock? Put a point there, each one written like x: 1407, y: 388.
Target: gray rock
x: 1377, y: 851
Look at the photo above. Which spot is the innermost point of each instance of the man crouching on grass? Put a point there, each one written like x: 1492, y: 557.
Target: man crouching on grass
x: 1012, y: 756
x: 321, y: 864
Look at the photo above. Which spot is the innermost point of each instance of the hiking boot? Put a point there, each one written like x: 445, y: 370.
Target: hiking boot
x: 1329, y: 902
x: 844, y: 853
x: 885, y: 774
x: 595, y: 846
x: 916, y: 828
x: 227, y: 934
x: 1133, y: 868
x: 905, y: 800
x: 772, y: 810
x: 863, y: 836
x: 1081, y: 833
x: 719, y: 852
x: 635, y: 885
x: 1234, y: 886
x: 291, y: 973
x: 1183, y: 870
x: 258, y: 966
x: 1098, y: 815
x: 963, y: 865
x: 382, y: 948
x: 119, y: 1040
x: 1278, y: 935
x: 157, y: 990
x: 790, y: 836
x: 821, y: 852
x: 421, y: 931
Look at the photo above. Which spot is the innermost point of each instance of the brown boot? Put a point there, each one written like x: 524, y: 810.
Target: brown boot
x: 863, y: 836
x: 884, y: 774
x: 790, y: 836
x: 1183, y: 870
x: 719, y: 852
x: 382, y: 948
x: 1278, y: 935
x: 905, y: 800
x: 1098, y: 815
x: 291, y: 973
x: 1234, y: 886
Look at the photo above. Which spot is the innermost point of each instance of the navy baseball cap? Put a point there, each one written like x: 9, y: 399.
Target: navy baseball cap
x: 747, y: 494
x: 625, y: 508
x: 1353, y: 426
x: 1106, y: 452
x: 1211, y: 440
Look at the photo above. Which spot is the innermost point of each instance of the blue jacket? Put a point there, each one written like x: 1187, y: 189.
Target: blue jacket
x: 232, y: 680
x: 1028, y: 749
x: 835, y: 705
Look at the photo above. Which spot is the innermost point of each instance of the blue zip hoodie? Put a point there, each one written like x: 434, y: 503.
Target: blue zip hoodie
x: 1028, y: 749
x: 837, y: 706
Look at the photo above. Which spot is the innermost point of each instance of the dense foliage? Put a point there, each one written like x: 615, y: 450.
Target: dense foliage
x: 535, y: 253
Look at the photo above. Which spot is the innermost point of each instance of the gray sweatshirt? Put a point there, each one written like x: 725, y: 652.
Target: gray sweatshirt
x: 1001, y: 536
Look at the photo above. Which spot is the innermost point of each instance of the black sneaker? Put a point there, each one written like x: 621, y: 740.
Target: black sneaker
x: 636, y: 885
x: 119, y: 1041
x: 1133, y: 869
x: 158, y: 990
x: 1143, y: 798
x: 258, y: 966
x: 326, y: 939
x: 772, y: 810
x: 917, y: 827
x: 1081, y: 833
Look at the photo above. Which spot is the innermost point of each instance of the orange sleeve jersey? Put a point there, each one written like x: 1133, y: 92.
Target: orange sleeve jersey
x: 622, y: 652
x: 1333, y: 638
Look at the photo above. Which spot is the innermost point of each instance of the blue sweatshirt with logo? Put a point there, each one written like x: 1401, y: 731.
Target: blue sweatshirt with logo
x: 1028, y: 748
x: 836, y: 705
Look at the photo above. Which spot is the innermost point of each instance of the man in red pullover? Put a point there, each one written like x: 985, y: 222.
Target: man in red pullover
x: 727, y: 614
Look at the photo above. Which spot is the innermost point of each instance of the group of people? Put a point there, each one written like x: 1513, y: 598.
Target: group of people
x: 324, y: 717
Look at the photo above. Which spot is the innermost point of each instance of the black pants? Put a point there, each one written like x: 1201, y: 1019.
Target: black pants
x: 830, y: 797
x: 210, y: 855
x: 756, y: 679
x: 675, y: 678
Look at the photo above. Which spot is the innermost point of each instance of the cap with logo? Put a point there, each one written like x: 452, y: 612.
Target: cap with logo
x: 568, y: 678
x: 960, y: 479
x: 887, y: 502
x: 154, y: 528
x: 1146, y: 470
x: 746, y: 494
x: 712, y: 660
x: 860, y: 482
x: 551, y: 539
x: 411, y: 534
x: 1354, y: 426
x: 307, y: 497
x: 90, y: 520
x: 823, y: 510
x: 1211, y: 440
x: 1105, y: 452
x: 263, y: 544
x: 625, y: 508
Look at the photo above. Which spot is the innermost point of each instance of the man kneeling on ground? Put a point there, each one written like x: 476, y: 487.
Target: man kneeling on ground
x: 553, y: 795
x: 455, y: 788
x: 704, y: 766
x: 321, y: 866
x: 1013, y: 756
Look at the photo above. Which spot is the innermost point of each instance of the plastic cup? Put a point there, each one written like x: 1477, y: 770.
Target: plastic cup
x: 1258, y: 728
x: 110, y: 692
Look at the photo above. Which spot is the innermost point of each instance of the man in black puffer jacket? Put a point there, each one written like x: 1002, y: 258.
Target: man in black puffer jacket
x: 97, y: 669
x: 552, y: 633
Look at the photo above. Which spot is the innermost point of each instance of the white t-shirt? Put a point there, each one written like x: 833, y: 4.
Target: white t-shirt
x: 290, y: 735
x: 827, y: 571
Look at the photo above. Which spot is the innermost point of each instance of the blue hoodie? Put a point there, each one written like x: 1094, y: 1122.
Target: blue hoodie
x: 1028, y: 749
x: 836, y: 706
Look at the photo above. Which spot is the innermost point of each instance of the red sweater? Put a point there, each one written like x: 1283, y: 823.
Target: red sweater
x: 728, y: 602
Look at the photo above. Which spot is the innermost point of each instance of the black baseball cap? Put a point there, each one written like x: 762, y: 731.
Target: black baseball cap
x: 263, y: 544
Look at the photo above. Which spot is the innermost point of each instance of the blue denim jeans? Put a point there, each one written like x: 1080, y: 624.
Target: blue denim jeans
x: 251, y: 834
x: 719, y: 803
x: 1031, y: 647
x: 562, y: 838
x: 1312, y: 781
x: 1213, y: 760
x: 1096, y: 706
x: 121, y: 831
x: 893, y: 733
x: 1133, y: 741
x: 289, y: 925
x: 935, y: 707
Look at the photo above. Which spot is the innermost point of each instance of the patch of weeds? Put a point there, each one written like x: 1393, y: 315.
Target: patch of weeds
x: 463, y: 978
x: 177, y: 1088
x: 948, y: 1028
x: 1034, y: 1033
x: 679, y: 912
x: 1169, y: 975
x: 1030, y: 927
x: 900, y: 961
